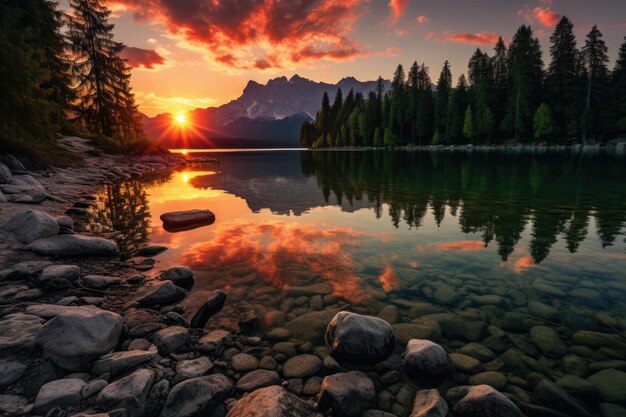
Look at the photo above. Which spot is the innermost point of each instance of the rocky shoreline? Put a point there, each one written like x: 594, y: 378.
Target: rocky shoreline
x: 87, y: 335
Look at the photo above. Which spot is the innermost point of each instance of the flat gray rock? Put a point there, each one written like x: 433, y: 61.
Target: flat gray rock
x: 63, y: 246
x: 18, y: 333
x: 58, y: 277
x: 160, y: 293
x: 79, y: 335
x: 32, y: 225
x: 10, y: 371
x: 23, y: 189
x: 116, y: 362
x: 100, y: 281
x: 214, y: 340
x: 171, y: 339
x: 192, y: 368
x: 129, y: 393
x: 58, y: 393
x: 302, y: 366
x: 197, y: 397
x: 256, y: 379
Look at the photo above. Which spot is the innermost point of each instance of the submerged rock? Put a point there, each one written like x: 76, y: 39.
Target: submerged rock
x: 428, y: 403
x: 79, y: 335
x: 32, y: 225
x: 179, y: 275
x: 63, y: 246
x: 302, y: 366
x: 348, y: 393
x: 424, y: 357
x: 351, y: 336
x: 197, y: 397
x: 160, y: 293
x: 272, y: 401
x: 481, y: 401
x: 212, y: 306
x: 177, y: 221
x: 256, y: 379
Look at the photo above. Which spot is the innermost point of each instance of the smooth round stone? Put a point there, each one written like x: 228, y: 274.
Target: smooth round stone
x: 481, y: 400
x: 427, y: 329
x: 428, y: 403
x: 272, y: 401
x: 466, y: 363
x: 548, y: 341
x: 478, y: 351
x: 494, y: 379
x: 278, y: 334
x: 577, y: 386
x: 171, y: 339
x: 611, y: 383
x: 256, y: 379
x: 552, y: 395
x: 355, y: 337
x: 267, y: 362
x: 426, y: 357
x: 193, y: 368
x: 349, y: 393
x: 244, y: 362
x: 302, y: 366
x: 58, y: 393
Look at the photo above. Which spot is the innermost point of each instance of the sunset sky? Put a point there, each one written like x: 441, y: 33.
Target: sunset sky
x: 201, y: 53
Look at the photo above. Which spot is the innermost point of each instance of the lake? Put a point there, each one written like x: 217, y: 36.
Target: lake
x: 522, y: 253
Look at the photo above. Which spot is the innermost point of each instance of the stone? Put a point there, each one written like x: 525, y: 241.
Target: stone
x: 93, y: 387
x: 214, y: 340
x: 278, y: 333
x: 23, y: 189
x: 348, y: 393
x: 542, y: 310
x: 99, y: 282
x: 273, y: 401
x: 65, y: 222
x: 171, y: 339
x: 390, y: 314
x: 12, y: 404
x: 465, y: 363
x: 32, y: 225
x: 18, y: 333
x: 10, y: 371
x: 455, y: 327
x: 197, y: 397
x: 548, y: 341
x: 79, y: 335
x: 427, y: 329
x: 160, y: 293
x: 481, y: 401
x: 57, y: 277
x: 427, y: 358
x: 129, y: 392
x: 179, y: 275
x: 12, y: 162
x: 552, y: 395
x: 248, y: 322
x: 612, y: 410
x: 302, y: 366
x: 243, y: 362
x: 256, y: 379
x: 355, y: 337
x: 491, y: 378
x: 5, y: 174
x: 269, y: 363
x: 116, y: 362
x: 58, y: 393
x: 211, y: 307
x: 151, y: 250
x: 478, y: 351
x: 193, y: 368
x: 577, y: 386
x: 312, y: 386
x: 74, y: 246
x: 175, y: 221
x: 311, y: 326
x: 322, y: 288
x: 610, y: 383
x: 428, y: 403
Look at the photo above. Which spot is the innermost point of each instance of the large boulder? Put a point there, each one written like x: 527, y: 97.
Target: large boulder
x: 64, y: 246
x: 160, y: 293
x: 274, y: 401
x: 79, y: 335
x: 58, y: 393
x: 212, y: 306
x: 354, y: 337
x: 129, y: 393
x: 481, y: 401
x: 18, y: 333
x: 197, y: 397
x: 427, y: 358
x: 31, y: 225
x: 175, y: 221
x: 347, y: 394
x: 23, y: 189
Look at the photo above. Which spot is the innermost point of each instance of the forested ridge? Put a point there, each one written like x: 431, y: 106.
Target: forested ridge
x: 63, y: 73
x: 506, y: 97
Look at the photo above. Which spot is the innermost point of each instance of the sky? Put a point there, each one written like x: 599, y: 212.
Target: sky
x: 201, y: 53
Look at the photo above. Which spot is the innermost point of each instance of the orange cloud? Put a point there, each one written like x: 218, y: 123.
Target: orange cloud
x: 142, y: 58
x: 252, y: 34
x: 388, y: 279
x: 422, y: 19
x: 397, y: 8
x: 464, y: 245
x: 273, y: 248
x: 523, y: 263
x: 546, y: 16
x: 482, y: 38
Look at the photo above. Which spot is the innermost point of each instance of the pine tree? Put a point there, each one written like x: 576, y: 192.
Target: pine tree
x: 380, y: 87
x: 335, y: 109
x: 595, y: 59
x: 424, y: 122
x: 563, y: 86
x: 524, y: 84
x: 468, y: 125
x: 542, y: 122
x: 105, y: 100
x: 323, y: 120
x: 617, y: 114
x: 444, y: 85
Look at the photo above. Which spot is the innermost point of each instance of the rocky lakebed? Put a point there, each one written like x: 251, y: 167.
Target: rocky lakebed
x: 89, y: 330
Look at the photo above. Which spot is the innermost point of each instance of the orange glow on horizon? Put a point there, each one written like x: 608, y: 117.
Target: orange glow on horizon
x: 180, y: 119
x: 462, y: 245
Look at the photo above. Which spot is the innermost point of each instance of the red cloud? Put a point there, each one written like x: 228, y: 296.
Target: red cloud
x: 546, y: 16
x: 142, y: 58
x: 482, y: 38
x: 397, y: 8
x: 422, y: 19
x: 247, y: 34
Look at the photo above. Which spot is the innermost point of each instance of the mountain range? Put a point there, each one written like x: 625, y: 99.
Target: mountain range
x: 265, y: 115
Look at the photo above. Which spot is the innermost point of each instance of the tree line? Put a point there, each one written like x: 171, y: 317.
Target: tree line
x: 507, y: 94
x: 63, y: 73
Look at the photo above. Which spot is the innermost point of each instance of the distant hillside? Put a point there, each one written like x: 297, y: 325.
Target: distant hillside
x: 264, y: 115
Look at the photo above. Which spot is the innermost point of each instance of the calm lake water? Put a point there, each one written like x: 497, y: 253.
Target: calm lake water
x: 466, y: 246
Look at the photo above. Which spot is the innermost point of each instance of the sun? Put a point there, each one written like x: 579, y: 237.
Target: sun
x: 180, y: 119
